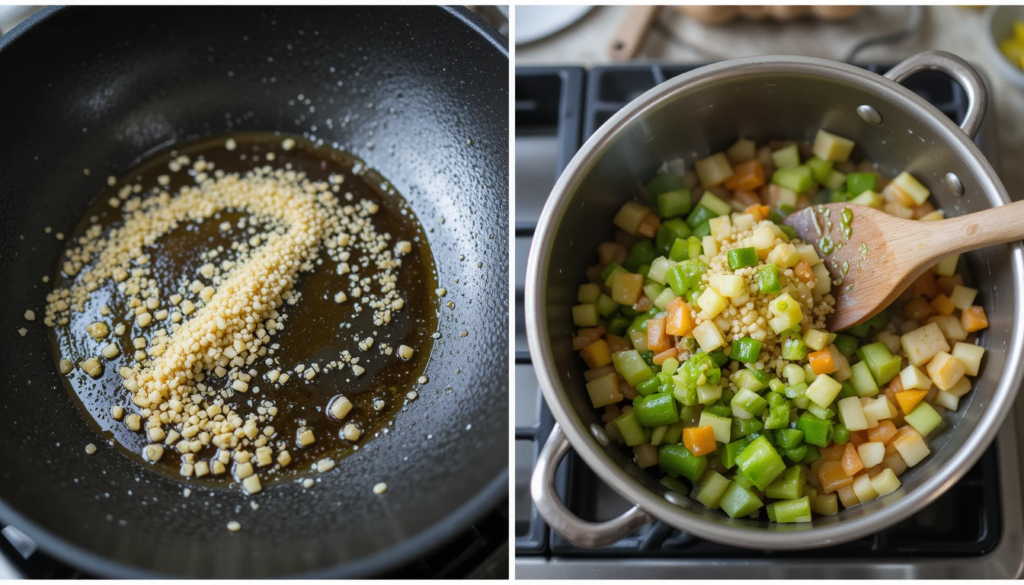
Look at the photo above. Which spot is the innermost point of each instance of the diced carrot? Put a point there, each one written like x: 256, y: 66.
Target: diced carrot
x: 833, y: 452
x: 668, y: 353
x: 657, y: 339
x: 943, y: 305
x: 585, y: 337
x: 904, y: 431
x: 821, y: 362
x: 746, y: 176
x: 832, y: 477
x: 847, y: 496
x: 597, y: 354
x: 973, y: 319
x: 700, y: 440
x: 746, y: 198
x: 883, y: 433
x: 924, y: 286
x: 649, y: 226
x: 617, y: 344
x: 945, y: 284
x: 909, y: 399
x: 858, y: 438
x: 918, y: 309
x: 643, y: 304
x: 803, y: 271
x: 679, y: 320
x: 851, y: 460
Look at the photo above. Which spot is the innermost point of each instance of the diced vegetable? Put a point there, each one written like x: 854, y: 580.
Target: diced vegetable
x: 788, y: 511
x: 786, y: 157
x: 630, y: 216
x: 760, y: 463
x: 911, y: 447
x: 823, y: 391
x: 585, y: 315
x: 631, y: 367
x: 815, y: 430
x: 746, y: 176
x: 714, y: 170
x: 945, y: 370
x: 789, y: 485
x: 830, y: 147
x: 924, y: 419
x: 912, y: 187
x: 738, y: 501
x: 679, y: 460
x: 630, y: 429
x: 796, y: 178
x: 713, y: 486
x: 656, y: 409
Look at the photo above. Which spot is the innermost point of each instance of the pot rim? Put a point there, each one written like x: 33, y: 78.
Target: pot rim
x: 961, y: 460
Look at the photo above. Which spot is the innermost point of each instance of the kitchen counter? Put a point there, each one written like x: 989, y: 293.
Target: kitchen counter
x: 955, y: 29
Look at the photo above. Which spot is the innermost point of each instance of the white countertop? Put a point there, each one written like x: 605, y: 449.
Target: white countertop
x: 950, y: 28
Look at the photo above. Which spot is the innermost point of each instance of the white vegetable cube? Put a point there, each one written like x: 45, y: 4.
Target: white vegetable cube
x: 604, y: 390
x: 711, y: 303
x: 923, y: 343
x: 878, y: 409
x: 763, y: 238
x: 787, y: 313
x: 720, y: 424
x: 659, y: 268
x: 912, y: 187
x: 739, y: 413
x: 721, y: 227
x: 732, y: 286
x: 969, y: 355
x: 822, y: 279
x: 947, y: 400
x: 630, y: 216
x: 872, y: 453
x: 852, y: 414
x: 914, y: 379
x: 784, y: 256
x: 714, y: 170
x: 708, y: 336
x: 823, y: 390
x: 963, y: 296
x: 816, y: 340
x: 862, y: 487
x: 742, y: 151
x: 864, y: 403
x: 870, y: 199
x: 831, y: 147
x: 710, y: 246
x: 786, y: 197
x: 808, y: 254
x: 742, y: 222
x: 950, y: 326
x: 945, y: 370
x: 911, y: 448
x: 885, y: 482
x: 947, y: 266
x: 962, y: 387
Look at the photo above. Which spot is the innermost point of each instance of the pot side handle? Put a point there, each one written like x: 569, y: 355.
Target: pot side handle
x: 574, y: 529
x: 959, y: 70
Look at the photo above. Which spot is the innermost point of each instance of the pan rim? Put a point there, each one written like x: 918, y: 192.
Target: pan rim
x: 430, y: 538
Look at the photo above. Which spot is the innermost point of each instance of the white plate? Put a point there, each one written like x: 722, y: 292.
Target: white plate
x: 537, y: 22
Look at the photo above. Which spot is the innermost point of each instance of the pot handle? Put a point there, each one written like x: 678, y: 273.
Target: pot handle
x: 959, y: 70
x: 574, y: 529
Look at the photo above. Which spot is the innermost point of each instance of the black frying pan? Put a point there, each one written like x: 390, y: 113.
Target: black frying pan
x: 139, y: 78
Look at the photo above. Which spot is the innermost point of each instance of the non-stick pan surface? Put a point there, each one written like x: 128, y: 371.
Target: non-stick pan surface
x: 423, y: 94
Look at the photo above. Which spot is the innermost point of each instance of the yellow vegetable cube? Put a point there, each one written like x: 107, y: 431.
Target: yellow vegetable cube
x: 969, y: 355
x: 947, y: 266
x: 831, y: 147
x: 710, y: 246
x: 597, y: 354
x: 885, y: 482
x: 852, y: 414
x: 784, y: 256
x: 604, y: 390
x: 945, y: 370
x: 711, y: 303
x: 870, y: 199
x: 808, y: 254
x: 721, y: 227
x: 962, y: 387
x: 816, y: 340
x: 742, y: 222
x: 823, y: 390
x: 585, y: 315
x: 862, y: 487
x: 708, y: 336
x: 626, y: 287
x: 912, y: 448
x: 763, y: 239
x: 921, y: 344
x: 933, y: 216
x: 914, y: 379
x: 911, y: 186
x: 742, y: 151
x: 878, y: 409
x: 714, y: 170
x: 865, y: 403
x: 787, y: 313
x: 732, y: 286
x: 963, y: 296
x: 872, y: 453
x: 947, y: 400
x: 822, y: 279
x: 950, y: 326
x: 630, y: 216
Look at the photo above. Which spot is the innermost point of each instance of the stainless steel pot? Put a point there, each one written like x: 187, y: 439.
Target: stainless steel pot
x: 705, y: 111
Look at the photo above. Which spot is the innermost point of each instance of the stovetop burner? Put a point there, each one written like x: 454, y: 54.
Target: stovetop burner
x: 975, y: 529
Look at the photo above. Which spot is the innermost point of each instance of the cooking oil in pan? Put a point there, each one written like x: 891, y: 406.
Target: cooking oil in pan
x: 317, y: 328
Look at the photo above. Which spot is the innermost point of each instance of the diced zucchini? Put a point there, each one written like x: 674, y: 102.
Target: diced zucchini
x: 677, y: 459
x: 712, y: 487
x: 883, y: 365
x: 834, y: 180
x: 924, y: 419
x: 631, y: 366
x: 585, y: 315
x: 712, y: 202
x: 789, y: 485
x: 760, y: 463
x: 630, y: 429
x: 739, y: 501
x: 788, y: 511
x: 798, y: 178
x: 830, y: 147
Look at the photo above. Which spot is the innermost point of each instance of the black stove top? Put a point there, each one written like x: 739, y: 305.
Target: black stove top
x: 557, y: 108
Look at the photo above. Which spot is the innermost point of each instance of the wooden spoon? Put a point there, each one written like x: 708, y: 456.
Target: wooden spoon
x: 880, y: 255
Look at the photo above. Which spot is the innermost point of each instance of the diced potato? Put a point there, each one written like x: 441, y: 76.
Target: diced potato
x: 828, y: 146
x: 969, y: 355
x: 852, y: 414
x: 870, y: 199
x: 892, y: 342
x: 659, y: 268
x: 947, y: 266
x: 962, y: 387
x: 721, y: 425
x: 787, y: 313
x: 823, y: 390
x: 808, y: 254
x: 914, y: 379
x: 872, y: 453
x: 933, y: 216
x: 822, y: 279
x: 911, y: 448
x: 885, y: 482
x: 945, y: 370
x: 923, y: 343
x: 711, y: 303
x: 963, y: 296
x: 710, y: 246
x: 626, y: 287
x: 816, y: 340
x: 947, y: 400
x: 713, y: 170
x: 742, y: 222
x: 862, y: 487
x: 911, y: 186
x: 878, y: 410
x: 732, y: 286
x: 784, y: 256
x: 708, y: 336
x: 630, y: 216
x: 604, y: 391
x: 721, y: 227
x: 742, y: 151
x: 763, y: 239
x: 597, y: 354
x: 950, y: 326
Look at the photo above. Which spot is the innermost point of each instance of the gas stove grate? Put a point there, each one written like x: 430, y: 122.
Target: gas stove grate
x: 947, y: 528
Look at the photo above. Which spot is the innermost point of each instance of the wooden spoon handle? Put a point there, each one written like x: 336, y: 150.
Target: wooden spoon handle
x: 631, y: 34
x: 998, y: 225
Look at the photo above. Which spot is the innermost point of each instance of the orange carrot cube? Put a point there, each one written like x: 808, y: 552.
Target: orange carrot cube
x: 909, y: 399
x: 700, y: 440
x: 851, y: 461
x: 597, y: 354
x: 821, y: 362
x: 832, y: 476
x: 649, y: 226
x: 746, y: 176
x: 679, y: 320
x: 668, y: 353
x: 943, y: 305
x: 883, y: 433
x: 973, y: 319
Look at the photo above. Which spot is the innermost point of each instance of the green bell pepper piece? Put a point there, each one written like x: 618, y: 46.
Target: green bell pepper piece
x: 815, y: 430
x: 760, y: 462
x: 768, y: 279
x: 643, y: 252
x: 632, y: 367
x: 677, y: 459
x: 741, y: 258
x: 797, y: 454
x: 857, y: 183
x: 745, y: 349
x: 789, y: 438
x: 789, y: 485
x: 739, y: 501
x: 673, y: 203
x: 656, y: 410
x: 744, y: 427
x: 728, y: 452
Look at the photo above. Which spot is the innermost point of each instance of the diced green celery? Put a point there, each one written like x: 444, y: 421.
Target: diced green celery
x: 606, y: 306
x: 786, y: 157
x: 699, y: 216
x: 668, y: 232
x: 744, y: 427
x: 768, y: 279
x: 739, y: 501
x: 847, y: 390
x: 776, y: 385
x: 708, y: 393
x: 797, y: 179
x: 883, y: 365
x: 653, y: 289
x: 674, y: 434
x: 679, y: 251
x: 674, y: 203
x: 728, y: 452
x: 685, y: 276
x: 712, y: 486
x: 702, y: 230
x: 750, y: 402
x: 695, y: 247
x: 798, y: 510
x: 859, y: 330
x: 741, y: 258
x: 722, y: 426
x: 778, y: 417
x: 825, y: 413
x: 760, y: 462
x: 744, y: 378
x: 631, y: 429
x: 677, y: 459
x: 658, y: 434
x: 663, y: 299
x: 794, y: 349
x: 797, y: 454
x: 816, y: 430
x: 709, y: 200
x: 789, y: 485
x: 664, y: 183
x: 648, y: 386
x: 923, y: 418
x: 857, y: 183
x: 820, y: 169
x: 618, y: 324
x: 656, y: 409
x: 796, y: 390
x: 718, y: 409
x: 789, y: 438
x: 745, y: 349
x: 643, y: 252
x: 862, y: 381
x: 846, y: 344
x: 631, y: 367
x: 639, y: 322
x: 835, y: 180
